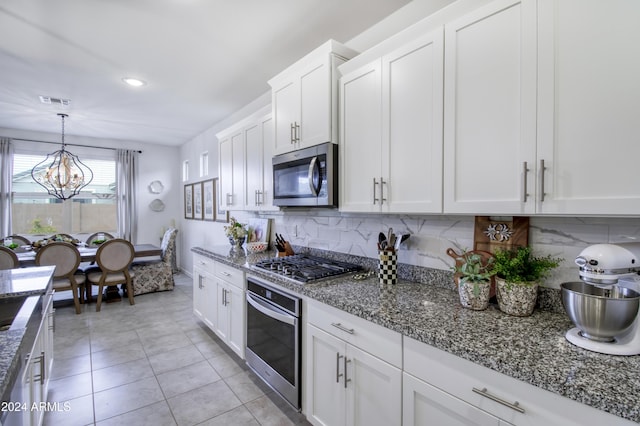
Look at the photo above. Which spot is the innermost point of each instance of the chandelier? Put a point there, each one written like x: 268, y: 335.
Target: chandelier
x: 64, y: 175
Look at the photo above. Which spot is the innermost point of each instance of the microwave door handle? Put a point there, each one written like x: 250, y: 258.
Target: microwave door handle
x: 313, y: 166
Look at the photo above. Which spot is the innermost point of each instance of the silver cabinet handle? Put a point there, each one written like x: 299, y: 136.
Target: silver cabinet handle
x: 229, y: 199
x: 514, y: 406
x: 342, y: 327
x: 375, y: 200
x: 43, y: 365
x: 542, y: 169
x: 346, y: 380
x: 291, y: 136
x: 297, y: 132
x: 382, y: 183
x: 338, y: 374
x: 525, y: 171
x: 226, y: 274
x: 40, y: 377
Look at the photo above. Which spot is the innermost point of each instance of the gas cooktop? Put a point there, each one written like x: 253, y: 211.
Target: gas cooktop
x: 305, y: 268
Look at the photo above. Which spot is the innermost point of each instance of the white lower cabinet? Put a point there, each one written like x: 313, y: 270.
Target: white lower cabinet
x: 424, y: 404
x: 204, y: 290
x: 443, y: 389
x: 218, y: 300
x: 229, y: 325
x: 347, y: 384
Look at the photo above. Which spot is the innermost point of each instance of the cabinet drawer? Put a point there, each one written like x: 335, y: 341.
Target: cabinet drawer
x: 204, y: 263
x: 377, y: 340
x: 230, y: 274
x: 460, y: 377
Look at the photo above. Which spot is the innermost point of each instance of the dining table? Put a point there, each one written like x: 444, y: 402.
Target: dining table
x: 27, y: 257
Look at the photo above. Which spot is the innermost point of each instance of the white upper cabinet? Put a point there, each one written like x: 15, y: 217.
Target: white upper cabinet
x: 231, y: 170
x: 304, y: 99
x: 360, y: 139
x: 541, y: 105
x: 391, y: 131
x: 490, y: 110
x: 259, y: 171
x: 589, y: 107
x: 245, y: 173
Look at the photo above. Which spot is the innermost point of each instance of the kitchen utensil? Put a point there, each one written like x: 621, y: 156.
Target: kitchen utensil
x: 600, y: 313
x: 392, y: 242
x: 382, y: 241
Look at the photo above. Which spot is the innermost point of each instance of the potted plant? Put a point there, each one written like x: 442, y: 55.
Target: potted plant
x: 474, y: 284
x: 518, y: 274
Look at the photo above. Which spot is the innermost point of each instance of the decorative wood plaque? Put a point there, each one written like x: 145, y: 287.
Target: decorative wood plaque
x: 491, y: 233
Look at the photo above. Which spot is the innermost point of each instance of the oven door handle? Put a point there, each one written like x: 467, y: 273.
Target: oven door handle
x: 270, y: 311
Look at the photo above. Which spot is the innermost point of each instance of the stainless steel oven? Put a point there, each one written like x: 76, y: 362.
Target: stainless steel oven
x: 274, y: 337
x: 307, y: 177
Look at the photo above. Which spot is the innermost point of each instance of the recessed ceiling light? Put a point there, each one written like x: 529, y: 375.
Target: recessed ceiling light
x: 135, y: 82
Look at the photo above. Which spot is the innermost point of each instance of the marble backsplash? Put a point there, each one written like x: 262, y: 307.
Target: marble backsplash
x: 431, y: 235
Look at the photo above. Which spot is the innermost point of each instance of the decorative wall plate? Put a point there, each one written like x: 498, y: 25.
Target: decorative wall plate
x: 156, y: 187
x: 156, y: 205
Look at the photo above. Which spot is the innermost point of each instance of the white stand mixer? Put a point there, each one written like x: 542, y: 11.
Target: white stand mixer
x: 604, y: 265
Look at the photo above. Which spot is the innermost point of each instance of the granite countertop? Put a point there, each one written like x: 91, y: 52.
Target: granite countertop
x: 23, y: 282
x: 531, y: 349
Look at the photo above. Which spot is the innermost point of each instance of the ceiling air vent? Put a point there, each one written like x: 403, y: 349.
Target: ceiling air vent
x: 54, y: 101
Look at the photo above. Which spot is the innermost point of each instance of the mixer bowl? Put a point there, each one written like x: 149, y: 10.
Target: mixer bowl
x: 600, y: 313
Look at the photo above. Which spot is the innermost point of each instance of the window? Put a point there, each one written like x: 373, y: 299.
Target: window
x: 204, y: 164
x: 185, y: 170
x: 35, y: 212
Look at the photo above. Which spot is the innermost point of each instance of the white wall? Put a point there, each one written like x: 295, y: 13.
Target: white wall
x: 157, y: 162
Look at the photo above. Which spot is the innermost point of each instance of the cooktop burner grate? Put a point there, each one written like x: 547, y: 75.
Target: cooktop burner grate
x: 305, y: 268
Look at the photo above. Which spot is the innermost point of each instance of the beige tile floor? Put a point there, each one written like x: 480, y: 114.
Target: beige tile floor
x: 154, y: 364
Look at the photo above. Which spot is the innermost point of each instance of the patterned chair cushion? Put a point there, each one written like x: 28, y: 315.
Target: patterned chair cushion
x: 156, y: 276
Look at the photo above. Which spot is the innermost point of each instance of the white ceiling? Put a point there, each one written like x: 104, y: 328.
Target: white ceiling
x: 202, y: 59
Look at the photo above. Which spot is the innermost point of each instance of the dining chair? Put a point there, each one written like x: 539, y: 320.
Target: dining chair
x: 66, y: 258
x: 8, y: 259
x: 90, y: 266
x: 156, y: 275
x: 19, y: 240
x: 93, y: 237
x: 114, y: 259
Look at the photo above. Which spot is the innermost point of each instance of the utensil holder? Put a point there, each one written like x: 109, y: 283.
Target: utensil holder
x: 387, y: 267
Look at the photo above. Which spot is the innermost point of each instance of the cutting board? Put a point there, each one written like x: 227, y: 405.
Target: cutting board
x: 493, y: 233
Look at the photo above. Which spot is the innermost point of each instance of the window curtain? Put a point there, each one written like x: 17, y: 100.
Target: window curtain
x: 6, y: 171
x: 126, y: 175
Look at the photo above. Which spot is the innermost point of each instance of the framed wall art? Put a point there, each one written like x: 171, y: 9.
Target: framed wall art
x: 188, y: 201
x: 197, y: 201
x: 208, y: 200
x: 221, y: 214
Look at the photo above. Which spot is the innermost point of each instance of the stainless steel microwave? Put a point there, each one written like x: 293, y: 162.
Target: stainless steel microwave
x: 307, y: 177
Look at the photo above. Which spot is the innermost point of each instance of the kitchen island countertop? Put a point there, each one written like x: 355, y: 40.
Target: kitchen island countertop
x: 23, y: 282
x: 531, y: 349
